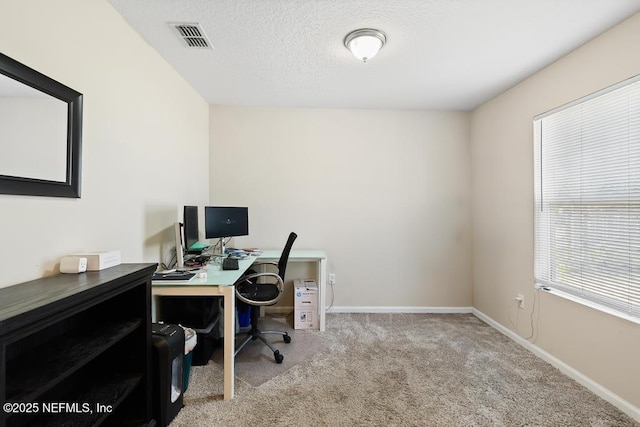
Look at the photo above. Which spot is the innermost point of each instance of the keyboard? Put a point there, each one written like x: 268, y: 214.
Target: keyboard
x: 230, y: 264
x: 177, y: 275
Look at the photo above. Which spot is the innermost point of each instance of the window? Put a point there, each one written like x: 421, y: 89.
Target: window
x: 587, y: 199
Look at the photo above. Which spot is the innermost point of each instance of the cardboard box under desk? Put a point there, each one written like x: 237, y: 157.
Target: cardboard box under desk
x: 305, y: 304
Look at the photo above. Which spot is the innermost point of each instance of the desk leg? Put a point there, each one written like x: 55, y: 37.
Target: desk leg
x: 154, y: 316
x: 322, y: 287
x: 229, y: 339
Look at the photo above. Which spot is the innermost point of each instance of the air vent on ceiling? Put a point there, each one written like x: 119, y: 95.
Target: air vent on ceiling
x: 191, y: 35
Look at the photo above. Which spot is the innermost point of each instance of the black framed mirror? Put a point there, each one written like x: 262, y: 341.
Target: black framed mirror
x: 40, y: 133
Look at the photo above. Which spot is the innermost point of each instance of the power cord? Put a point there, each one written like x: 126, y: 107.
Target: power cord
x: 533, y: 329
x: 220, y: 241
x: 172, y: 261
x: 326, y: 310
x: 513, y: 325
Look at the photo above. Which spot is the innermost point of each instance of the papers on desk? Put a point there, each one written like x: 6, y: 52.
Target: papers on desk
x: 253, y: 251
x: 242, y: 253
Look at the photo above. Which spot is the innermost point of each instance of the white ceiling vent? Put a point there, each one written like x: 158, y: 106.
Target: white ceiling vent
x: 191, y: 34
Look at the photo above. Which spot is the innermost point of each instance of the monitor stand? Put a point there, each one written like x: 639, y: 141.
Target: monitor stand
x: 222, y: 246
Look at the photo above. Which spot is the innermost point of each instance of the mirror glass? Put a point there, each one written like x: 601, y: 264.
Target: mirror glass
x: 33, y: 127
x: 40, y: 133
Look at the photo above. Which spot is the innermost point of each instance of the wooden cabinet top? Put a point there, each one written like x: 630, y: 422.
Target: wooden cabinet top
x: 29, y: 301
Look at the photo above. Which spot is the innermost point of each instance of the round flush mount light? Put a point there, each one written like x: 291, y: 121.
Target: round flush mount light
x: 365, y: 43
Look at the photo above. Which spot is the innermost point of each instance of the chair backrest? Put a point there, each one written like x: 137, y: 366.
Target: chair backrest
x: 284, y: 258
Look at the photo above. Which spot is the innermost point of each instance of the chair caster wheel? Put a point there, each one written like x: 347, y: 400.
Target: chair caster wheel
x: 279, y: 358
x: 287, y: 338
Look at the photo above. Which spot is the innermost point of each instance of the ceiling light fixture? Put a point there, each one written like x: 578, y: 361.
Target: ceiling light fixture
x: 365, y: 43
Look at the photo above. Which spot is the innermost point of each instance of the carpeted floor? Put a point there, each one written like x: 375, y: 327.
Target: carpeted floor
x: 399, y: 370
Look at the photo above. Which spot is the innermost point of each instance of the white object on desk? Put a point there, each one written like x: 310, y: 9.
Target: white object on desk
x: 100, y: 260
x: 73, y: 264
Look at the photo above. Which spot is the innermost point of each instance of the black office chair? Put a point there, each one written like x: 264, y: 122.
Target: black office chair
x: 262, y: 289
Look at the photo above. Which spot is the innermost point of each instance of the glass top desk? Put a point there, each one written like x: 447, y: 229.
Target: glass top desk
x: 220, y: 282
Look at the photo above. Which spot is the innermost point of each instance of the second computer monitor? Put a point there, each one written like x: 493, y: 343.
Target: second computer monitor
x: 190, y: 224
x: 224, y: 221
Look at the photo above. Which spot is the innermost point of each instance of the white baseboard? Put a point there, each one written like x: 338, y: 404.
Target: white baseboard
x: 606, y: 394
x: 365, y: 309
x: 376, y: 309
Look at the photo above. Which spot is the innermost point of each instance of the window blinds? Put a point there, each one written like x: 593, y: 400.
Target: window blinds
x: 587, y: 198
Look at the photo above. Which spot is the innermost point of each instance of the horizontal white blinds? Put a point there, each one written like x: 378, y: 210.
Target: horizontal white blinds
x: 587, y: 198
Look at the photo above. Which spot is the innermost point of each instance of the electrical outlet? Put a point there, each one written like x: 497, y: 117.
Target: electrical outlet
x: 520, y: 299
x: 332, y: 278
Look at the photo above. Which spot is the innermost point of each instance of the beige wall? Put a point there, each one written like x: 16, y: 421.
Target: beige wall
x: 602, y: 347
x: 145, y: 140
x: 384, y: 193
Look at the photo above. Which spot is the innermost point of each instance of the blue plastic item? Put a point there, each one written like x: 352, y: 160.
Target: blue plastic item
x: 244, y: 316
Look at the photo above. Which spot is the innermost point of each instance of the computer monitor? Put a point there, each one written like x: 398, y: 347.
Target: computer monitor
x: 190, y: 228
x: 224, y: 221
x: 179, y: 247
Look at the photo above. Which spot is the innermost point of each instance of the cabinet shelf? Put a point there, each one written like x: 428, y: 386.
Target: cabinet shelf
x: 78, y: 346
x: 108, y: 393
x: 36, y: 373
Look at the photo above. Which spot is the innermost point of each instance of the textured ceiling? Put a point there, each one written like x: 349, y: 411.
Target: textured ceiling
x: 440, y: 54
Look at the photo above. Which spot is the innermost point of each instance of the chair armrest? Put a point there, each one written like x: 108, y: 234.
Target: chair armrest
x: 279, y: 284
x: 265, y: 263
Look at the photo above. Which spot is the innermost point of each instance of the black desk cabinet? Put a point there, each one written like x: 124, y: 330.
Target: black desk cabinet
x: 75, y: 349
